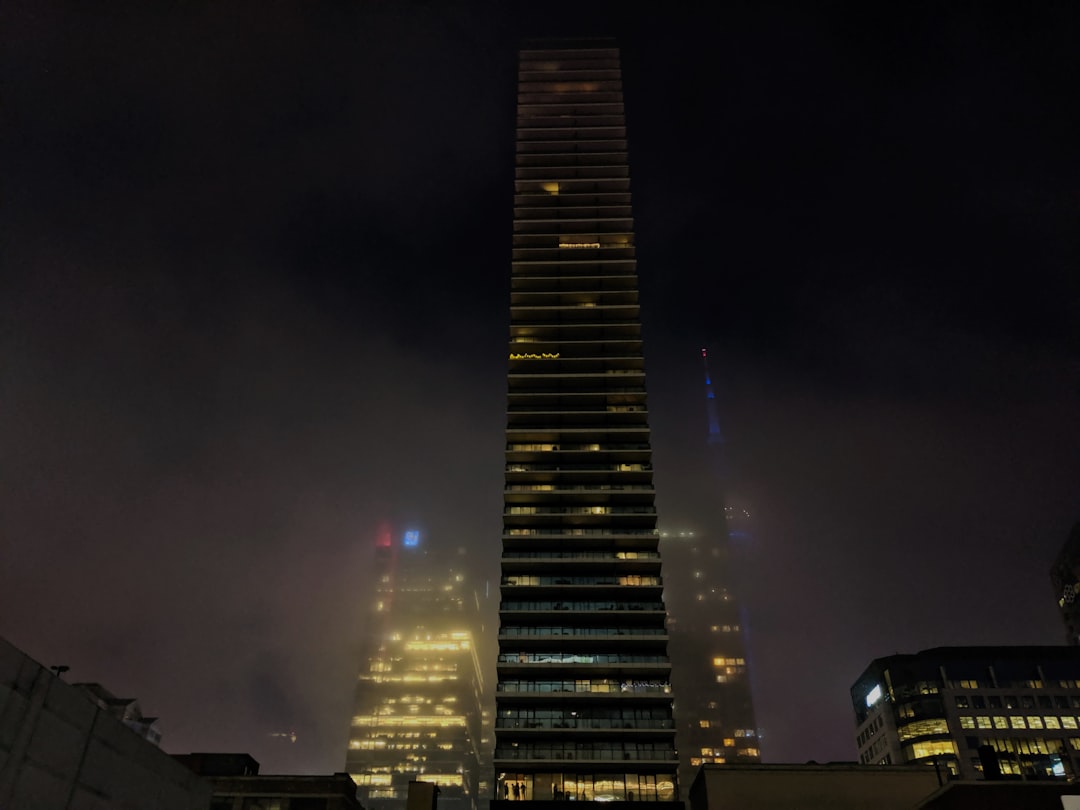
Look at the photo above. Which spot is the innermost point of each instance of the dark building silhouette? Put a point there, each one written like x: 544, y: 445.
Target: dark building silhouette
x: 1065, y: 576
x: 584, y: 705
x: 973, y: 712
x: 238, y: 785
x: 66, y: 747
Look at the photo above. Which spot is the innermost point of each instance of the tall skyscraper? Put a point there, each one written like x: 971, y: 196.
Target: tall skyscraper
x: 419, y: 699
x: 715, y: 709
x: 584, y: 705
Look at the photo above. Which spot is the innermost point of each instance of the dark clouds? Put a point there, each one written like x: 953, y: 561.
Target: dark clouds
x: 253, y: 304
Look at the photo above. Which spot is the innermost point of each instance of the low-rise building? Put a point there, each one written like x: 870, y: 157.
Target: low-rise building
x: 237, y: 785
x: 973, y: 712
x: 61, y: 748
x: 833, y: 786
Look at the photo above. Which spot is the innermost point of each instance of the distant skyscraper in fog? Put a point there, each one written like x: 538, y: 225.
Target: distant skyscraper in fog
x: 1065, y: 576
x: 419, y: 697
x: 710, y: 671
x: 584, y: 707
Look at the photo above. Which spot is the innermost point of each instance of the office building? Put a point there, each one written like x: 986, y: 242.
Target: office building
x: 584, y: 704
x: 710, y: 674
x: 973, y: 712
x: 419, y: 698
x: 1065, y: 577
x: 706, y: 622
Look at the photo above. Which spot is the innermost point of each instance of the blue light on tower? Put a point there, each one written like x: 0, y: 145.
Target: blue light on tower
x: 412, y: 539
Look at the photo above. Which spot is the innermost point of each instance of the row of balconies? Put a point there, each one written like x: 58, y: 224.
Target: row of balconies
x: 594, y: 510
x: 573, y: 724
x: 551, y: 179
x: 526, y: 364
x: 588, y: 471
x: 557, y: 146
x: 560, y: 82
x: 552, y: 425
x: 566, y: 225
x: 621, y: 579
x: 572, y: 400
x: 553, y: 372
x: 563, y: 557
x: 611, y: 409
x: 570, y: 108
x: 581, y: 191
x: 549, y: 171
x: 591, y: 131
x: 593, y: 690
x: 534, y: 195
x: 532, y: 407
x: 573, y: 264
x: 557, y: 606
x: 554, y: 252
x: 591, y: 440
x: 582, y: 658
x: 607, y: 533
x: 570, y: 70
x: 564, y: 633
x: 577, y: 314
x: 602, y: 410
x: 580, y: 99
x: 583, y: 213
x: 599, y: 280
x: 526, y: 386
x: 541, y: 118
x: 546, y: 299
x: 566, y: 489
x: 519, y: 755
x: 619, y: 346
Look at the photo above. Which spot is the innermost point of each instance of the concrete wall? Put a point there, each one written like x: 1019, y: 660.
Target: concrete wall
x: 60, y: 751
x: 811, y: 787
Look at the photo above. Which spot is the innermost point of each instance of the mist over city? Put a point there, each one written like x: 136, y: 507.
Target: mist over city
x: 255, y: 297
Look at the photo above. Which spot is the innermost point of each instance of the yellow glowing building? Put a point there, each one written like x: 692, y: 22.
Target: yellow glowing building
x: 418, y: 709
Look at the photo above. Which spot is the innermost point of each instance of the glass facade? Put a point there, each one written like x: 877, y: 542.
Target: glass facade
x: 979, y: 712
x: 584, y: 705
x: 418, y: 710
x: 715, y: 711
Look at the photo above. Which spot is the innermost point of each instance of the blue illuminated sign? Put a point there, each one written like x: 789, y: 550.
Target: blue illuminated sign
x: 412, y: 538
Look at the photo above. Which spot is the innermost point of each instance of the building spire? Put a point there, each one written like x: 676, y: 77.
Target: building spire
x: 714, y: 437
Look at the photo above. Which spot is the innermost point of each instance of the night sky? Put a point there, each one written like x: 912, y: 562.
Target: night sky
x: 254, y: 287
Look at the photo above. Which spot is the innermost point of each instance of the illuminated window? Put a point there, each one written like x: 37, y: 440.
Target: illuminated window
x: 550, y: 188
x: 1068, y: 722
x: 1017, y: 722
x: 703, y: 723
x: 1000, y: 722
x: 983, y: 721
x: 1034, y: 722
x: 935, y: 725
x: 930, y: 748
x: 967, y: 721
